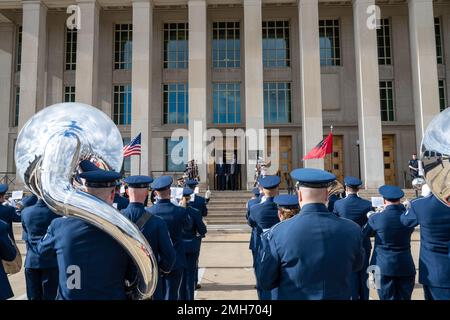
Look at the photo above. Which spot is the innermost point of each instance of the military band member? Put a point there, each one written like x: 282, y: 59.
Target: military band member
x: 257, y: 192
x: 312, y: 255
x: 392, y: 250
x: 262, y: 217
x: 7, y: 253
x: 41, y: 273
x: 8, y: 214
x: 153, y: 227
x: 434, y: 264
x: 92, y: 265
x: 175, y: 218
x: 193, y: 231
x: 120, y: 202
x: 355, y: 208
x: 198, y: 202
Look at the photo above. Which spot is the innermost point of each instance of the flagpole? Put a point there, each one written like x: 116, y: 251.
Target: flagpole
x: 139, y: 164
x: 331, y: 158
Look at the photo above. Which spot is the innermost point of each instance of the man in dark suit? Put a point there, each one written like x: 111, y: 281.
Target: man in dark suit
x: 220, y: 174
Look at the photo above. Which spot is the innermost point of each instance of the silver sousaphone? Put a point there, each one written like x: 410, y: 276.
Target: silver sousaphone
x: 48, y: 151
x: 435, y: 153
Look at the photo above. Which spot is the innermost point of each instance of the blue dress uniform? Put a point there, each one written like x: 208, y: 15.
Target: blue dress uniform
x: 262, y: 217
x: 434, y: 264
x: 92, y: 265
x: 29, y: 201
x: 155, y: 231
x: 312, y: 255
x: 392, y: 251
x: 175, y: 217
x: 355, y: 208
x: 120, y: 202
x: 8, y: 214
x: 41, y: 274
x: 8, y: 253
x: 194, y: 230
x: 253, y: 236
x: 199, y: 202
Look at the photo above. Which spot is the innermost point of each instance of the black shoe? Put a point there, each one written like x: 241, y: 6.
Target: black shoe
x: 197, y: 286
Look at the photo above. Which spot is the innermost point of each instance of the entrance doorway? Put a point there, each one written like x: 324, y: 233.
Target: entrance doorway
x: 225, y: 172
x: 389, y: 159
x: 334, y: 162
x: 285, y: 158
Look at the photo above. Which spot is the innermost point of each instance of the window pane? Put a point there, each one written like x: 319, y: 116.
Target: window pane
x: 329, y: 43
x: 277, y: 102
x: 275, y: 36
x: 123, y: 46
x: 226, y: 103
x: 176, y: 45
x: 176, y: 154
x: 175, y: 103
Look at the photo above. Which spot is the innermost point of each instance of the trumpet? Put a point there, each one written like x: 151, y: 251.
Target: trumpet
x: 335, y: 188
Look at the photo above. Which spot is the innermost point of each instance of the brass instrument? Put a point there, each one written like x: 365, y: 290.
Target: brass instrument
x: 335, y: 188
x: 435, y: 156
x: 48, y: 151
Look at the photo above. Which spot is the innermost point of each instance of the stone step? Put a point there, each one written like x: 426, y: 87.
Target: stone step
x: 225, y: 221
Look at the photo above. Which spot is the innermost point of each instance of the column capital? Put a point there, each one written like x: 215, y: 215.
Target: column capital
x: 355, y: 2
x: 300, y: 2
x: 151, y: 2
x: 34, y: 2
x: 410, y: 2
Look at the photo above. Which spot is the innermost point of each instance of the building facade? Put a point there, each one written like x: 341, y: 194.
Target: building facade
x: 297, y: 66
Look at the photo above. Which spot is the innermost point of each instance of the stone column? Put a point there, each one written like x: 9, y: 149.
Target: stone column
x: 141, y: 83
x: 197, y: 84
x: 311, y: 95
x: 423, y: 64
x: 368, y: 95
x: 6, y: 74
x: 254, y: 100
x: 32, y: 73
x: 87, y: 53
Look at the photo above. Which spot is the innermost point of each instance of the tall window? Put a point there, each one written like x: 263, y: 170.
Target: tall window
x: 175, y: 103
x: 126, y: 165
x: 19, y: 49
x: 176, y: 45
x: 442, y: 95
x: 71, y: 49
x: 384, y: 42
x: 69, y: 94
x: 277, y: 102
x: 330, y: 51
x: 226, y: 45
x: 122, y: 104
x: 275, y: 44
x: 438, y: 34
x: 387, y: 101
x: 16, y: 106
x: 227, y: 102
x: 123, y: 38
x: 176, y: 154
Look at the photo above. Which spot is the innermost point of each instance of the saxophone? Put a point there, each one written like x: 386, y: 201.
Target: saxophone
x: 48, y: 151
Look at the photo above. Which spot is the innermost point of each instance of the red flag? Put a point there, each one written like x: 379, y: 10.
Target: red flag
x: 323, y: 148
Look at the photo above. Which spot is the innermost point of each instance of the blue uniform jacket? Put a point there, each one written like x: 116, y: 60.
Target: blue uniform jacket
x: 122, y: 202
x: 29, y: 201
x: 156, y: 232
x: 331, y: 201
x: 263, y: 216
x: 35, y: 222
x: 312, y: 256
x: 175, y: 217
x: 199, y: 203
x: 434, y: 220
x: 193, y: 231
x: 9, y: 215
x: 8, y: 253
x: 355, y: 208
x: 86, y: 253
x: 253, y: 236
x: 392, y: 250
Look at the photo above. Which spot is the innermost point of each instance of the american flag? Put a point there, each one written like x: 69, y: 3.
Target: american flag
x: 133, y: 148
